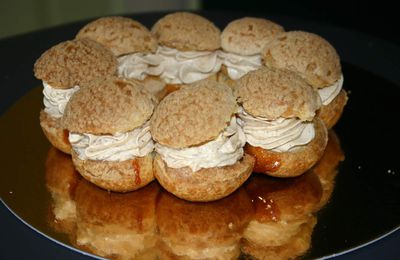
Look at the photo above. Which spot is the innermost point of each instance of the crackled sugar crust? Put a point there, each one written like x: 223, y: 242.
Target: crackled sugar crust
x: 305, y: 53
x: 275, y: 93
x: 121, y: 35
x: 107, y: 106
x: 75, y: 62
x: 248, y: 35
x: 193, y: 115
x: 187, y: 32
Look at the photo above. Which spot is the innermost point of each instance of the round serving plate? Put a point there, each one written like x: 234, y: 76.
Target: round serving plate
x: 365, y: 205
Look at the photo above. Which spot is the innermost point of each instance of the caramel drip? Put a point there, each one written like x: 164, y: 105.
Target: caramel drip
x: 169, y: 88
x: 65, y: 136
x: 136, y: 168
x: 266, y: 161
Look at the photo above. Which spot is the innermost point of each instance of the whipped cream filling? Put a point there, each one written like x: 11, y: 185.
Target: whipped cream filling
x: 55, y: 100
x: 117, y: 147
x: 177, y: 67
x: 328, y: 94
x: 239, y: 65
x: 226, y: 149
x: 136, y: 65
x: 281, y: 135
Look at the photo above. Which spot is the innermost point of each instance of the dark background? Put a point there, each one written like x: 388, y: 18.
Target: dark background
x: 377, y: 18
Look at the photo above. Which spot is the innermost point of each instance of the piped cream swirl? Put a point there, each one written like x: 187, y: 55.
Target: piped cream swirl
x: 178, y: 67
x: 239, y: 65
x: 279, y: 135
x: 225, y: 150
x: 136, y: 65
x: 328, y: 94
x: 55, y: 99
x: 117, y: 147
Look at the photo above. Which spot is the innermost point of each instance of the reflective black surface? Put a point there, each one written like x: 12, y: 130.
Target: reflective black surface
x: 366, y: 200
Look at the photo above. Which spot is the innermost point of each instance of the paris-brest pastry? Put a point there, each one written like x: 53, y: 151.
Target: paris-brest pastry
x: 278, y: 117
x: 188, y: 49
x: 108, y: 124
x: 133, y: 45
x: 315, y: 60
x: 63, y: 69
x: 242, y: 41
x: 199, y: 144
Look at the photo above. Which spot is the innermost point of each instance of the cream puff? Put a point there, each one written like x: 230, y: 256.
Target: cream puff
x: 61, y: 181
x: 198, y: 230
x: 283, y: 210
x: 188, y: 45
x: 63, y: 69
x: 315, y: 60
x: 242, y: 41
x: 133, y: 45
x: 108, y: 124
x: 115, y: 225
x: 199, y: 144
x: 277, y: 115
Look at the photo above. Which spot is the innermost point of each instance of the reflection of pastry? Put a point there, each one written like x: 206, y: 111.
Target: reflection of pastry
x: 132, y: 43
x: 199, y: 143
x: 188, y: 49
x: 277, y: 114
x: 198, y: 230
x: 242, y: 41
x: 63, y: 69
x: 293, y: 248
x: 281, y: 208
x: 110, y: 133
x: 61, y: 181
x: 326, y: 168
x: 114, y: 225
x: 314, y: 59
